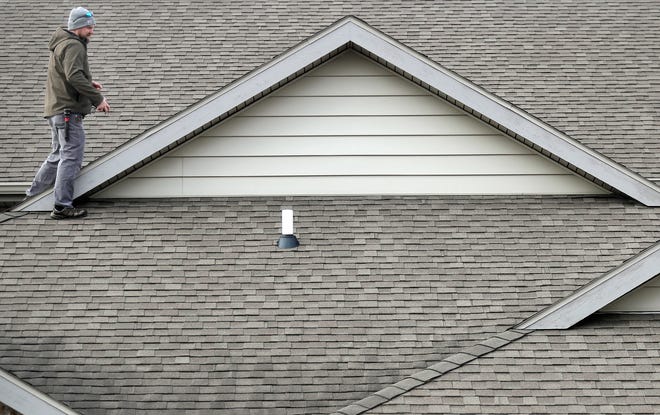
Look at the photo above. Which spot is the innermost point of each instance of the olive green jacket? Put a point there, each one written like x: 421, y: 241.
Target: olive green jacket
x: 69, y: 83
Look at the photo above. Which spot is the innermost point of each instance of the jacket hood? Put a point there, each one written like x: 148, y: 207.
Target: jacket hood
x: 62, y: 35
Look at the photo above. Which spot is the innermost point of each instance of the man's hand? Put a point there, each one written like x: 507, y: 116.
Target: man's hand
x: 97, y: 85
x: 103, y: 106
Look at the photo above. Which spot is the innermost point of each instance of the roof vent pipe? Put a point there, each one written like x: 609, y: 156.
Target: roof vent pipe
x: 288, y: 240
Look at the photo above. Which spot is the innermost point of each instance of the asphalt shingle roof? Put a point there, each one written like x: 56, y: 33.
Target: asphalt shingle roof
x: 586, y: 68
x: 162, y: 305
x: 606, y: 365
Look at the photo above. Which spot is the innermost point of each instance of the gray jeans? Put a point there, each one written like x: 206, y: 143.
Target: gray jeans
x: 64, y: 162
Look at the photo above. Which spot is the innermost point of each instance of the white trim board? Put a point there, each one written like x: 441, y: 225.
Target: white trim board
x: 25, y: 399
x: 13, y: 191
x: 13, y: 188
x: 350, y: 32
x: 598, y: 293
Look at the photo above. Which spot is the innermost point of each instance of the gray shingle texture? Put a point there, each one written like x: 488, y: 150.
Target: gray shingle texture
x: 607, y: 364
x: 588, y: 68
x: 159, y: 306
x: 415, y: 380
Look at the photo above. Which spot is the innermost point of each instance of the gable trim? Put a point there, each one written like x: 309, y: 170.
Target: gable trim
x: 25, y: 399
x: 598, y: 293
x: 349, y: 32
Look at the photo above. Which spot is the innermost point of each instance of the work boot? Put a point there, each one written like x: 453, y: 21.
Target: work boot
x: 67, y: 213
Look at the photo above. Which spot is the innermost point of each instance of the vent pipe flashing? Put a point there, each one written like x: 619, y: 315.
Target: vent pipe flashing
x: 288, y: 239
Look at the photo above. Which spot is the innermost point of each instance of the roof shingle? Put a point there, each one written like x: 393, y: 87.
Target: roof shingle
x: 155, y: 305
x: 605, y: 365
x: 162, y: 305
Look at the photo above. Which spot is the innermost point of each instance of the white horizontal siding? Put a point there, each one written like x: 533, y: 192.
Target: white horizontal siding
x: 304, y: 106
x: 351, y: 127
x: 212, y: 146
x: 350, y: 64
x: 644, y: 299
x: 344, y: 185
x: 350, y: 166
x: 349, y: 86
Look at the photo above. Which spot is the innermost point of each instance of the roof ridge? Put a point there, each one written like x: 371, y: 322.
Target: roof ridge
x: 446, y: 365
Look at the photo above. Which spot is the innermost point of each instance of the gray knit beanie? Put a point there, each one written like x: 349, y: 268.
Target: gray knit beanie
x: 80, y: 17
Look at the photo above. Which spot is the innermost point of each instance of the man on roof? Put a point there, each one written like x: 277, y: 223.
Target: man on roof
x: 70, y: 95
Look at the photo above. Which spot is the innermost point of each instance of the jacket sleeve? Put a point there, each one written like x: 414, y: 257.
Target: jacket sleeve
x: 73, y: 63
